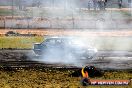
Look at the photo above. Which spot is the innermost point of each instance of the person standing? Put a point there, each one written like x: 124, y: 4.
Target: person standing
x: 130, y: 6
x: 101, y: 4
x: 105, y: 1
x: 120, y: 3
x: 130, y: 3
x: 89, y: 4
x: 95, y: 5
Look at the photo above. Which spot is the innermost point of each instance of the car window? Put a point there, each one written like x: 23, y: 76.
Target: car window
x: 74, y: 42
x: 58, y: 41
x: 49, y: 41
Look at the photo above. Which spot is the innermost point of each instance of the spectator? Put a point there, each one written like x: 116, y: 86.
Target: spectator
x: 89, y: 4
x: 105, y: 1
x: 120, y: 3
x: 101, y: 4
x: 95, y: 5
x: 130, y: 3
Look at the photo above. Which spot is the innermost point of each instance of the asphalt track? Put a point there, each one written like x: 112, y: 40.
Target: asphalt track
x: 103, y: 60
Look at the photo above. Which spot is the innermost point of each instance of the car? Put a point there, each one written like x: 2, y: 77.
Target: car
x: 64, y: 47
x: 12, y: 33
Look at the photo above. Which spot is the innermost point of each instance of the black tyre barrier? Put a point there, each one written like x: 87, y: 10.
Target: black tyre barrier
x: 92, y: 72
x: 85, y: 82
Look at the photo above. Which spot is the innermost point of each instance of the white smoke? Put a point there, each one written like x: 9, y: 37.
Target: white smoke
x: 99, y: 21
x: 71, y: 52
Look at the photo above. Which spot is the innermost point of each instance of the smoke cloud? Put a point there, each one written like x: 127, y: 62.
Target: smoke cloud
x: 69, y: 51
x: 70, y: 14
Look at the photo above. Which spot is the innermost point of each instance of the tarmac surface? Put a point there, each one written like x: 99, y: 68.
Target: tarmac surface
x: 104, y: 60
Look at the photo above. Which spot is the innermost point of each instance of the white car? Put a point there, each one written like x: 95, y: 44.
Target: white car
x: 64, y: 46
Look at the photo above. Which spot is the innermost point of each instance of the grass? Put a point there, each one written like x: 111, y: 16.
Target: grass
x: 5, y: 12
x: 19, y: 42
x: 101, y: 43
x: 53, y: 78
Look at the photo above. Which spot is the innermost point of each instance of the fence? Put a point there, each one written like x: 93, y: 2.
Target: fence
x: 66, y: 23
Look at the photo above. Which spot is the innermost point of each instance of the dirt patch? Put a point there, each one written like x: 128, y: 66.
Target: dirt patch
x: 60, y: 32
